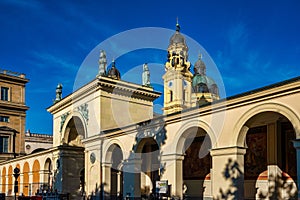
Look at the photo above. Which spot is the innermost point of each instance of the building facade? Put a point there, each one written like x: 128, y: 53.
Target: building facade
x: 12, y: 114
x: 107, y: 142
x: 35, y: 142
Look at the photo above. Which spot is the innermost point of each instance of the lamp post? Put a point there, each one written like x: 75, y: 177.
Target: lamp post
x: 16, y: 175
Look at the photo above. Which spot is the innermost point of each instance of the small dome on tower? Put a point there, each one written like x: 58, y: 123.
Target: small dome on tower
x: 200, y: 67
x: 202, y: 83
x: 177, y: 38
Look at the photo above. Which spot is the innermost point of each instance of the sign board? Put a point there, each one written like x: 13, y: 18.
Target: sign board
x: 162, y: 187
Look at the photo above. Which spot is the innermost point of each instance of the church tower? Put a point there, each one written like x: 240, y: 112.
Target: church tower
x: 178, y: 78
x: 204, y: 88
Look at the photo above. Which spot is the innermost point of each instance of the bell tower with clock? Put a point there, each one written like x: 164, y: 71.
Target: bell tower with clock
x: 178, y: 78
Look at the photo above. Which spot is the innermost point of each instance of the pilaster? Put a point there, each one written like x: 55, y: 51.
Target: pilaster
x: 106, y: 178
x: 30, y: 192
x: 173, y: 172
x: 227, y: 174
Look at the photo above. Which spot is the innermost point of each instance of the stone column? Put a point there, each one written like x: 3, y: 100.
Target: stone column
x: 106, y: 167
x: 119, y: 183
x: 30, y: 186
x: 132, y: 178
x: 45, y: 179
x: 227, y: 174
x: 297, y: 146
x: 172, y: 172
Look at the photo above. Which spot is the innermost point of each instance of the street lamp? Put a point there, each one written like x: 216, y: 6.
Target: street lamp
x: 16, y: 175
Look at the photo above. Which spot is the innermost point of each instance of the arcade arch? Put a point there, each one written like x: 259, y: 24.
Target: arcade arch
x: 113, y: 171
x: 10, y: 180
x: 270, y: 159
x: 148, y: 152
x: 241, y: 128
x: 47, y: 174
x: 36, y: 176
x: 74, y: 131
x: 195, y: 145
x: 26, y: 171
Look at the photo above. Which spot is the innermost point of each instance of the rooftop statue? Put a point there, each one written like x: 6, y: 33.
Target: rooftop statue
x: 146, y: 75
x: 102, y: 63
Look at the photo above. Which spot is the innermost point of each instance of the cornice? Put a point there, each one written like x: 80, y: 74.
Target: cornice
x: 74, y: 97
x: 11, y: 106
x: 128, y: 89
x: 109, y: 85
x: 13, y: 79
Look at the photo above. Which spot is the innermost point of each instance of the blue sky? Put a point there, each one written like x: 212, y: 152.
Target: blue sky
x: 253, y: 43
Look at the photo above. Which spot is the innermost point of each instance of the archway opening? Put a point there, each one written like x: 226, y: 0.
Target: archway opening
x: 75, y: 132
x: 47, y: 185
x: 270, y: 161
x: 74, y: 162
x: 36, y: 177
x: 26, y: 186
x: 149, y: 150
x: 10, y: 180
x: 197, y: 163
x: 116, y: 177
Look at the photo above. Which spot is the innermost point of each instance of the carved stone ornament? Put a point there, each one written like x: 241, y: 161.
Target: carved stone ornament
x: 84, y: 111
x: 63, y: 118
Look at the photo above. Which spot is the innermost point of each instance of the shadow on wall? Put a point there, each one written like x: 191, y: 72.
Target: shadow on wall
x: 233, y: 173
x: 279, y: 186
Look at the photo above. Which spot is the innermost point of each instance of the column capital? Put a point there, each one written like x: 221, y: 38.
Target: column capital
x: 106, y: 164
x: 175, y: 156
x: 235, y: 150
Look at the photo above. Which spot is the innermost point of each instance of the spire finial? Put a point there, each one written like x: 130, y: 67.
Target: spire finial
x: 113, y: 62
x: 58, y: 93
x: 200, y: 56
x: 177, y: 25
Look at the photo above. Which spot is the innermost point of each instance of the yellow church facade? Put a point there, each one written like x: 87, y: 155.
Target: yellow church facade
x: 109, y: 144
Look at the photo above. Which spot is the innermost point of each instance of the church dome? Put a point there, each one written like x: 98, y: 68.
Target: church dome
x: 197, y: 79
x: 200, y: 65
x: 204, y: 84
x: 177, y: 38
x: 200, y: 82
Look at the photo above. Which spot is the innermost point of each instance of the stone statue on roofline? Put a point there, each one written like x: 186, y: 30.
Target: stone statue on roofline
x: 146, y: 76
x: 102, y: 63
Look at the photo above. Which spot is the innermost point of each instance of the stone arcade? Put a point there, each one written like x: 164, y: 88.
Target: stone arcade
x: 107, y: 142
